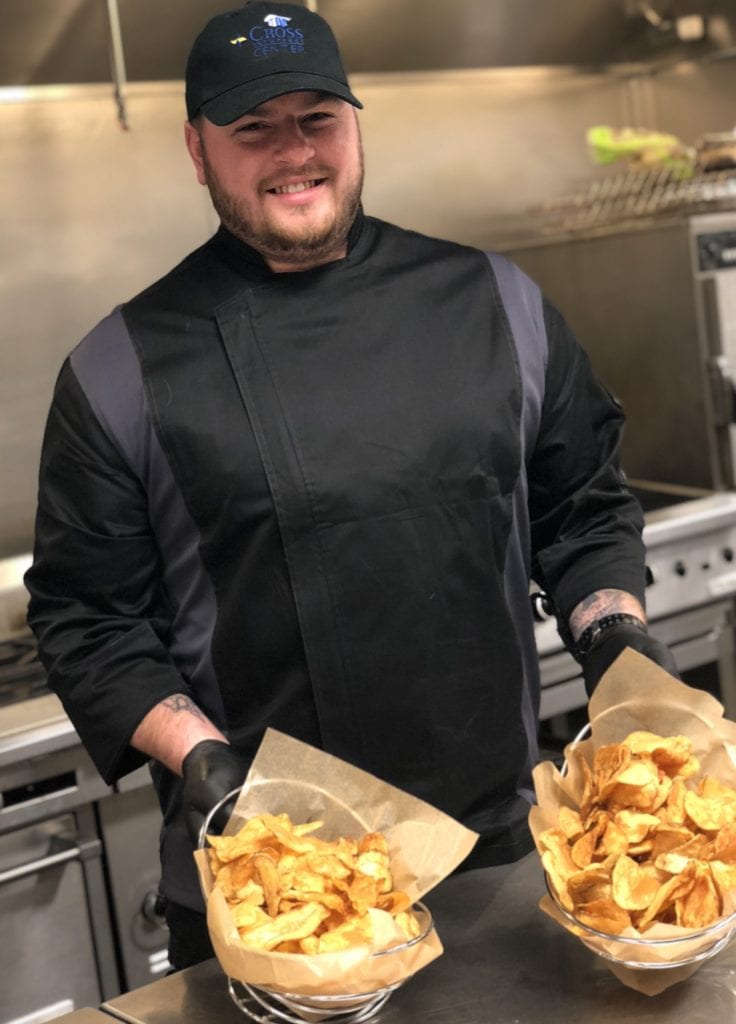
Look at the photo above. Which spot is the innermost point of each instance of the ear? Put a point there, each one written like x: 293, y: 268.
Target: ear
x: 193, y: 141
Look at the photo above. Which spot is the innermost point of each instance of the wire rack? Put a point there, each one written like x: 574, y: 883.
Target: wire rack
x: 629, y: 197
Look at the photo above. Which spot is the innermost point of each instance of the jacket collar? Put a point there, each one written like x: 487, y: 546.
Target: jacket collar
x: 246, y: 260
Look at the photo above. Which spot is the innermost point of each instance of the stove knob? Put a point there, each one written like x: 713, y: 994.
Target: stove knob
x: 542, y: 607
x: 728, y: 554
x: 153, y: 907
x: 680, y: 567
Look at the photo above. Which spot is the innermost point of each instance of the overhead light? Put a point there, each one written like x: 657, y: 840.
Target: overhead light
x: 691, y: 28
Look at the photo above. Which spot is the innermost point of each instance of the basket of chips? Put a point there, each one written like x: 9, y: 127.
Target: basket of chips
x: 346, y: 1008
x: 637, y: 833
x: 313, y: 895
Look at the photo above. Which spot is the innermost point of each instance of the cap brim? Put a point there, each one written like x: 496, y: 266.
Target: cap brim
x: 230, y: 105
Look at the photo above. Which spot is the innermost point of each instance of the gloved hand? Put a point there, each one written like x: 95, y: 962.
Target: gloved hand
x: 210, y: 770
x: 610, y: 644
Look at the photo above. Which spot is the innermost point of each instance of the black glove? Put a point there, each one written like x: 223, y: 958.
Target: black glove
x: 210, y: 771
x: 612, y: 641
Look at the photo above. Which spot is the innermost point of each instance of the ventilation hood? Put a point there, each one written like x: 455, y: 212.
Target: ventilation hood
x: 68, y: 41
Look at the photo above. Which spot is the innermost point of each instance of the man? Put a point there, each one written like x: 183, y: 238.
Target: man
x: 303, y: 480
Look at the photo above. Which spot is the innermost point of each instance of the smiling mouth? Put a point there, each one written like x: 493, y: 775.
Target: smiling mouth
x: 301, y: 186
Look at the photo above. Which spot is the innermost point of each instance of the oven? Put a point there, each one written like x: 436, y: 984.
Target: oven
x: 58, y: 950
x: 79, y: 861
x: 691, y: 556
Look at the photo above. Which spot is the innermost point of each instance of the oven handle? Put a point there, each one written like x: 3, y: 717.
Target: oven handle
x: 41, y: 864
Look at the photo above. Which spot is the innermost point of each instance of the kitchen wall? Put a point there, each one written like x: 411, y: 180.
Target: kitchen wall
x: 92, y: 213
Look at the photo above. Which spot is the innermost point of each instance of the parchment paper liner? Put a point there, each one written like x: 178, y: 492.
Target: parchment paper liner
x: 425, y: 845
x: 637, y: 694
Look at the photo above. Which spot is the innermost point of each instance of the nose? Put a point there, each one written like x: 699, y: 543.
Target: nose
x: 294, y: 146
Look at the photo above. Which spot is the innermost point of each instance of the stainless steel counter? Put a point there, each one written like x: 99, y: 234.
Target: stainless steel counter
x: 35, y: 727
x: 84, y: 1015
x: 504, y: 962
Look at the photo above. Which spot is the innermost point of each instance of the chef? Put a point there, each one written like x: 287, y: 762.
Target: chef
x: 304, y: 479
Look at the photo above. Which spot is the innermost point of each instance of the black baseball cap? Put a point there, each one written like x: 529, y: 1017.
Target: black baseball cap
x: 262, y: 50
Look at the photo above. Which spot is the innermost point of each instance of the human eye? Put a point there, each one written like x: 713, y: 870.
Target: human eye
x: 251, y: 128
x: 318, y: 118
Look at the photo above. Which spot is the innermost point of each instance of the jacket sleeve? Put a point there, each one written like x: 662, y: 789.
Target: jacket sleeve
x: 97, y: 606
x: 585, y: 524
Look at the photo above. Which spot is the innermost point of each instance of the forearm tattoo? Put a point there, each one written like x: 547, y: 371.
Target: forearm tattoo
x: 180, y: 702
x: 600, y: 603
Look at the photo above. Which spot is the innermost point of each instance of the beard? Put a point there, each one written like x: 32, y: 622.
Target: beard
x: 298, y: 243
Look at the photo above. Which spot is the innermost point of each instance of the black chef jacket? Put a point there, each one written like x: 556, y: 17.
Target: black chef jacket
x: 314, y: 501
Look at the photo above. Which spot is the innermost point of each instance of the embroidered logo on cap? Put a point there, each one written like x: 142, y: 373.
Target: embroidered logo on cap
x: 276, y: 38
x: 276, y: 20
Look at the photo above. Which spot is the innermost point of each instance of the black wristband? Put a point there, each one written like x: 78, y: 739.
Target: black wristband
x: 591, y: 634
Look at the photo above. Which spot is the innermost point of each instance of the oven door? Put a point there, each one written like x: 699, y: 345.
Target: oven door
x: 57, y: 952
x: 701, y: 640
x: 51, y: 900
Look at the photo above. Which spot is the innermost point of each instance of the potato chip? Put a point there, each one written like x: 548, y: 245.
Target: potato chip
x: 709, y: 814
x: 248, y: 915
x: 711, y: 789
x: 724, y: 875
x: 670, y: 891
x: 408, y: 924
x: 554, y: 841
x: 604, y: 915
x: 724, y: 844
x: 636, y: 825
x: 353, y: 931
x: 267, y: 873
x: 294, y: 924
x: 571, y: 823
x: 395, y: 902
x: 289, y: 891
x: 673, y: 754
x: 558, y: 879
x: 613, y: 841
x: 235, y: 875
x: 608, y: 764
x: 593, y: 883
x: 251, y: 837
x: 701, y: 904
x: 674, y: 807
x: 633, y: 887
x: 374, y: 863
x: 584, y: 849
x: 668, y: 837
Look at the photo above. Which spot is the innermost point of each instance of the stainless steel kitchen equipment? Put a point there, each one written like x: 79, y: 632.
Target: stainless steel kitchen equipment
x: 691, y: 554
x: 58, y: 951
x: 78, y: 860
x: 653, y: 301
x: 649, y: 287
x: 504, y: 960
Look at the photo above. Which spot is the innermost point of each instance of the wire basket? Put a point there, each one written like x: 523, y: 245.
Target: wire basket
x: 641, y: 953
x: 268, y: 1006
x: 637, y: 951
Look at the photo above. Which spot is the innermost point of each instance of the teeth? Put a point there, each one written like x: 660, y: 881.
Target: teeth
x: 302, y: 186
